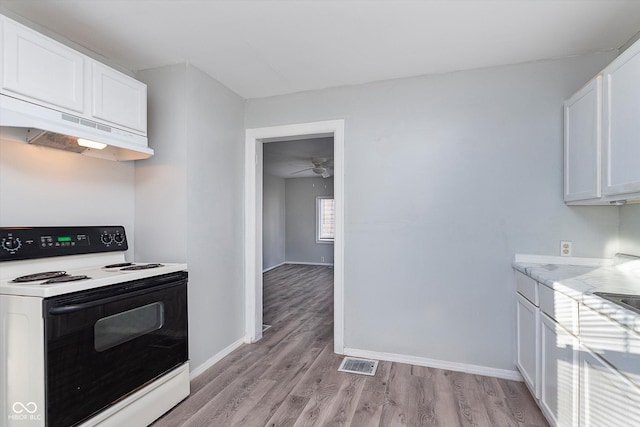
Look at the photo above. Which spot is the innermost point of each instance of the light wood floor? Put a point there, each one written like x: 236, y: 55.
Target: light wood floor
x: 290, y: 377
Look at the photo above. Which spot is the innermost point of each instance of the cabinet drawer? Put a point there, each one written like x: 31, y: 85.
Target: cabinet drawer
x: 611, y: 341
x: 559, y: 307
x: 527, y: 287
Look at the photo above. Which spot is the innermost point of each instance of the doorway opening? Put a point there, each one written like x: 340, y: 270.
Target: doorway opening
x: 254, y: 176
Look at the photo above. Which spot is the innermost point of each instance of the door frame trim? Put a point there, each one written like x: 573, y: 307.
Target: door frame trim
x: 254, y: 140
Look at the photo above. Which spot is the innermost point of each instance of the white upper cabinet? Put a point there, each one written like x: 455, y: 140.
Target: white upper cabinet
x: 602, y: 135
x: 34, y: 67
x: 582, y: 136
x: 622, y: 123
x: 42, y: 71
x: 118, y: 98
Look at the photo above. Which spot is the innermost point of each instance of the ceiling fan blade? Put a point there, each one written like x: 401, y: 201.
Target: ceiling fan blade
x: 303, y: 170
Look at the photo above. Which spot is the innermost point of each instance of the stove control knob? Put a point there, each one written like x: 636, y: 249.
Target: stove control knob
x: 118, y: 238
x: 11, y: 244
x: 106, y: 239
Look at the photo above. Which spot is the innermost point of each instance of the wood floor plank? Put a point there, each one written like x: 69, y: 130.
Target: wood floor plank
x: 471, y: 410
x: 284, y: 378
x: 344, y: 402
x: 369, y: 409
x: 290, y: 377
x: 409, y: 399
x: 445, y: 401
x: 494, y: 400
x: 521, y: 404
x: 324, y: 370
x: 289, y: 412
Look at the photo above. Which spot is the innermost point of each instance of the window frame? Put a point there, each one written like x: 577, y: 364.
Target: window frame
x: 319, y: 219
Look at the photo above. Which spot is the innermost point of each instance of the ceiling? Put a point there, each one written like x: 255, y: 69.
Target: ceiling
x: 262, y: 48
x: 287, y: 158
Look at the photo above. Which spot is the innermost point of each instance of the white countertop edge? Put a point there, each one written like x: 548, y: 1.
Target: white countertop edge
x: 575, y: 288
x: 563, y: 260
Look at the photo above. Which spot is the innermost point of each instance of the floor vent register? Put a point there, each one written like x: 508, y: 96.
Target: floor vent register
x: 359, y: 366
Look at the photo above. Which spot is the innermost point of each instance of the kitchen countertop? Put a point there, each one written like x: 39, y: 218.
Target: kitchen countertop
x: 579, y: 279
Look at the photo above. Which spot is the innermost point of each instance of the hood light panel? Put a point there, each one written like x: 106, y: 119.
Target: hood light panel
x: 91, y: 144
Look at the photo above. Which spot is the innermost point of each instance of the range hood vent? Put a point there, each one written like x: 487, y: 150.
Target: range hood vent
x: 29, y: 123
x: 54, y: 140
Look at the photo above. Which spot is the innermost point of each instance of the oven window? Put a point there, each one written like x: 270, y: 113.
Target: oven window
x: 122, y: 327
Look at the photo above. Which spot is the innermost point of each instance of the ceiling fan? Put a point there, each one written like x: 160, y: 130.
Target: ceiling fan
x: 321, y: 166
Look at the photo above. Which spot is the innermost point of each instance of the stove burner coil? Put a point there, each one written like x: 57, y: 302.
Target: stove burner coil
x: 122, y: 264
x: 39, y: 276
x: 141, y: 267
x: 62, y: 279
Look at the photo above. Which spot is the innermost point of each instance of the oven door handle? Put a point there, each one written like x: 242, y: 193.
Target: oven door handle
x: 72, y: 308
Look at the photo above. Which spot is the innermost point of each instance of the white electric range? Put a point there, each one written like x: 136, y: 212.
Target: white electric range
x: 90, y: 339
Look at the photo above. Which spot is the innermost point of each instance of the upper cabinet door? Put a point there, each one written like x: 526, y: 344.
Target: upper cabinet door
x: 582, y: 143
x: 622, y: 123
x: 119, y: 99
x: 40, y: 70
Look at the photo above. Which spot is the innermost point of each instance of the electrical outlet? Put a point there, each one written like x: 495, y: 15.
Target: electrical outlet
x: 322, y: 259
x: 566, y: 248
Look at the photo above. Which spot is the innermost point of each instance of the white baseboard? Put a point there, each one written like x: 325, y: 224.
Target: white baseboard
x: 309, y: 263
x: 215, y: 358
x: 432, y: 363
x: 275, y: 266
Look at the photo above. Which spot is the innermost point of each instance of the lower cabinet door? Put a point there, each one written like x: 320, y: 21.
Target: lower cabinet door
x: 558, y: 373
x: 606, y: 397
x: 527, y: 342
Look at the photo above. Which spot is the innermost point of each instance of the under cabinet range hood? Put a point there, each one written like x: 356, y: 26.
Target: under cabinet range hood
x: 29, y: 123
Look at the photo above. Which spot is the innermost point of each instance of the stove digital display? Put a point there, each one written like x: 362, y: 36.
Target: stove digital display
x: 47, y: 242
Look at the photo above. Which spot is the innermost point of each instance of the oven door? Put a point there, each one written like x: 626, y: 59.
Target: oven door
x: 105, y: 343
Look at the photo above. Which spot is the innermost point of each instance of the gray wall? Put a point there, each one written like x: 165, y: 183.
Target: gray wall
x: 300, y: 203
x: 446, y: 177
x: 630, y: 229
x: 273, y: 221
x: 189, y: 199
x: 161, y: 180
x: 41, y: 186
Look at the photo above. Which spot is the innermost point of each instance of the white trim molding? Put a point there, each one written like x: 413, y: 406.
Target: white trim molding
x: 433, y: 363
x: 254, y: 138
x: 328, y: 264
x: 215, y: 358
x: 274, y: 266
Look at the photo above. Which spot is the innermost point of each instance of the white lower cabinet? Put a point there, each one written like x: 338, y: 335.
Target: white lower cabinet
x: 558, y: 373
x: 527, y: 343
x: 606, y: 397
x: 581, y: 367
